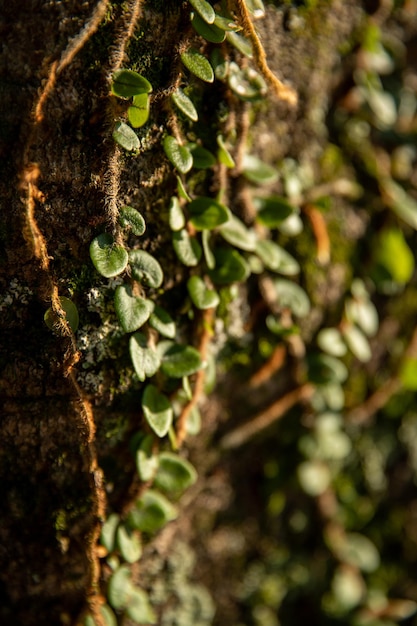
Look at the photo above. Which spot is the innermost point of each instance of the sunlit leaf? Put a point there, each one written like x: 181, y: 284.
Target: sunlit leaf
x: 241, y: 43
x: 162, y: 322
x: 108, y: 258
x: 204, y: 9
x: 70, y: 315
x: 198, y: 65
x: 151, y: 512
x: 120, y: 588
x: 185, y: 104
x: 145, y: 359
x: 210, y: 32
x: 223, y: 154
x: 187, y: 248
x: 139, y: 608
x: 157, y: 410
x: 206, y: 213
x: 131, y: 310
x: 125, y: 136
x: 276, y: 258
x: 357, y: 342
x: 145, y: 268
x: 258, y: 172
x: 178, y: 360
x: 175, y: 474
x: 131, y: 218
x: 138, y: 112
x: 108, y: 532
x: 292, y: 296
x: 147, y: 460
x: 127, y: 83
x: 201, y: 295
x: 180, y: 156
x: 129, y: 544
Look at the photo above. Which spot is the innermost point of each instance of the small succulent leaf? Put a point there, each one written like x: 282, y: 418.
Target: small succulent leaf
x: 161, y: 321
x: 53, y: 319
x: 129, y: 544
x: 139, y: 608
x: 180, y: 156
x: 182, y: 192
x: 174, y: 474
x: 120, y: 588
x: 127, y: 83
x: 258, y: 172
x: 357, y: 342
x: 241, y: 43
x: 108, y: 258
x: 204, y: 9
x: 208, y: 254
x: 131, y: 218
x: 185, y: 104
x: 236, y: 233
x: 126, y: 136
x: 210, y: 32
x: 178, y: 360
x: 330, y: 340
x: 202, y: 158
x: 226, y: 23
x: 223, y: 154
x: 201, y: 295
x: 131, y: 310
x: 198, y: 65
x: 152, y: 512
x: 230, y: 267
x: 194, y: 421
x: 138, y: 112
x: 276, y: 258
x: 187, y: 248
x: 108, y: 532
x: 206, y: 213
x: 147, y: 461
x: 145, y: 268
x: 273, y: 210
x: 157, y: 410
x: 292, y: 296
x: 145, y: 359
x: 176, y: 215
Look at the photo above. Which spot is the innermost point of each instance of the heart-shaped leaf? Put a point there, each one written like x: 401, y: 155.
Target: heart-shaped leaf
x: 145, y: 359
x: 198, y: 65
x: 187, y: 248
x: 201, y: 295
x: 185, y: 105
x: 53, y: 319
x: 162, y: 322
x: 180, y: 156
x: 127, y: 83
x: 126, y: 136
x: 138, y: 112
x: 204, y: 9
x: 145, y: 268
x: 230, y: 267
x: 130, y: 218
x: 108, y: 258
x: 178, y: 360
x: 151, y: 512
x: 131, y: 310
x: 174, y: 474
x: 157, y: 410
x: 206, y: 213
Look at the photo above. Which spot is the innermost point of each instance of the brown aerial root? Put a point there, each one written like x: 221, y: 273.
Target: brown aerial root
x: 319, y: 227
x: 264, y: 419
x: 198, y: 390
x: 283, y: 92
x: 268, y: 369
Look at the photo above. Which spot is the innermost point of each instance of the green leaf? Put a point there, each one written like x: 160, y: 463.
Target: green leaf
x: 241, y: 43
x: 176, y: 215
x: 330, y: 340
x: 180, y: 156
x: 404, y: 205
x: 408, y: 374
x: 230, y: 267
x: 109, y: 618
x: 145, y: 359
x: 292, y: 296
x: 129, y: 544
x: 273, y: 211
x: 130, y: 218
x: 324, y: 369
x: 276, y: 258
x: 198, y: 65
x: 202, y: 158
x: 182, y: 192
x: 246, y: 83
x: 194, y: 421
x: 120, y: 588
x: 258, y: 172
x: 126, y: 136
x: 157, y: 410
x: 108, y: 532
x: 210, y: 32
x: 52, y: 319
x: 204, y: 9
x: 127, y: 83
x: 226, y: 23
x: 145, y: 268
x: 108, y: 258
x: 207, y: 213
x: 161, y: 321
x: 138, y: 112
x: 187, y: 248
x: 236, y: 233
x: 151, y: 512
x: 147, y: 461
x: 201, y: 295
x: 357, y: 342
x: 139, y: 608
x: 220, y: 64
x: 175, y: 474
x: 178, y: 360
x: 394, y: 254
x: 131, y: 310
x: 223, y: 153
x: 185, y: 105
x: 359, y: 551
x: 256, y: 7
x: 208, y: 254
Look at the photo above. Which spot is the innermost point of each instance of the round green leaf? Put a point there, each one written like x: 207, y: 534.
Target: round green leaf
x: 126, y: 136
x: 174, y: 474
x: 210, y: 32
x: 185, y: 105
x: 178, y: 360
x: 131, y: 310
x: 230, y: 267
x: 138, y: 112
x: 146, y: 461
x: 130, y: 218
x: 258, y: 172
x: 157, y: 410
x: 139, y: 608
x: 127, y: 83
x: 206, y: 213
x: 145, y: 359
x: 108, y: 258
x: 187, y: 248
x: 273, y: 210
x: 128, y: 544
x: 201, y: 295
x: 292, y: 296
x: 120, y: 588
x: 52, y: 319
x: 145, y: 268
x: 108, y: 532
x: 276, y: 258
x: 152, y: 512
x: 180, y: 156
x: 198, y: 65
x: 236, y: 233
x: 202, y: 158
x: 204, y: 9
x: 162, y: 322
